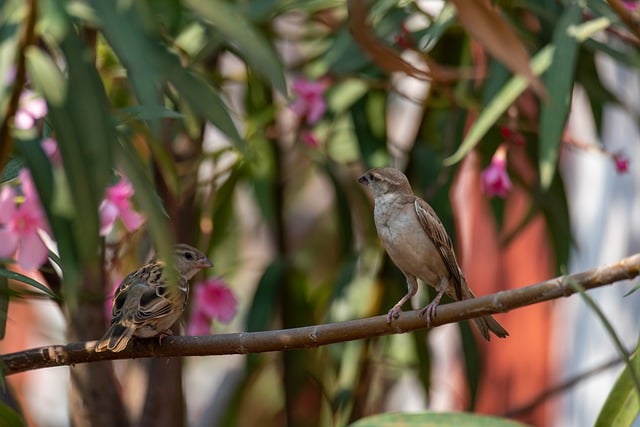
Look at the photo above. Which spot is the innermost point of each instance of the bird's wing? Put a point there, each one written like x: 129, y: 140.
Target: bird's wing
x: 438, y: 235
x: 142, y: 295
x: 155, y: 302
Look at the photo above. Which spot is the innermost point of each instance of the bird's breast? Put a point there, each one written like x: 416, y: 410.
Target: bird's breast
x: 407, y: 243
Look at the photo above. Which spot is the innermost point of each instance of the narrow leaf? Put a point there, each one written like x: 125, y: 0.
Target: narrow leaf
x: 498, y: 105
x: 559, y: 81
x: 622, y: 405
x: 45, y: 75
x: 255, y: 49
x: 8, y: 274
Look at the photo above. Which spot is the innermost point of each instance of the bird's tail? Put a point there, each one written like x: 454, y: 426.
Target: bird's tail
x: 486, y: 323
x: 115, y: 339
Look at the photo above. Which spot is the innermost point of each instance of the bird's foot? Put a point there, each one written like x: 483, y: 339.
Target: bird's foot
x: 429, y: 312
x: 393, y: 314
x: 165, y: 333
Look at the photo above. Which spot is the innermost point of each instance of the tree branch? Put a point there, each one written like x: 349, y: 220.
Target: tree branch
x: 319, y: 335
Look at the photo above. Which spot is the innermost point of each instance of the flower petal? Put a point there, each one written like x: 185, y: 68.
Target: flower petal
x: 7, y: 203
x: 108, y: 214
x: 131, y: 219
x: 9, y: 243
x: 32, y: 252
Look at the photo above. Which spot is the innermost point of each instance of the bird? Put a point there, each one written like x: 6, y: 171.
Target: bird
x: 146, y: 304
x: 416, y: 241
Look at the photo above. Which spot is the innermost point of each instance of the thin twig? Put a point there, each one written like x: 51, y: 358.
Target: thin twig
x: 319, y: 335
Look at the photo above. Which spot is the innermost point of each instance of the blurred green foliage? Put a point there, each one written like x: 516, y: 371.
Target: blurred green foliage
x: 192, y: 96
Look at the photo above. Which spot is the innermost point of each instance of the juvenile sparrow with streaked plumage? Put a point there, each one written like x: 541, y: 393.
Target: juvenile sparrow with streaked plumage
x: 146, y: 304
x: 417, y: 242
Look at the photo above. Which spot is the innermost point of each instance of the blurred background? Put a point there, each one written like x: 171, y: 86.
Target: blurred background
x: 241, y: 127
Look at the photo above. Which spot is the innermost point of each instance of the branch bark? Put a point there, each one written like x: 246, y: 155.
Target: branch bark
x: 319, y: 335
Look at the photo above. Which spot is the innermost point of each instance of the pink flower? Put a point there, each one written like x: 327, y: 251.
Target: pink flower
x: 50, y: 147
x: 21, y: 225
x: 212, y: 300
x: 495, y: 180
x: 31, y: 108
x: 622, y: 162
x: 631, y: 5
x: 310, y: 104
x: 117, y: 204
x: 309, y: 138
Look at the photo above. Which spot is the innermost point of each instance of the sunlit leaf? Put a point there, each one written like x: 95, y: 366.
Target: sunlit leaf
x: 498, y: 105
x: 622, y: 405
x: 46, y: 76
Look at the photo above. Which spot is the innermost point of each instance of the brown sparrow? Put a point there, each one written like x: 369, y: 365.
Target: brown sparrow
x: 146, y: 305
x: 416, y: 241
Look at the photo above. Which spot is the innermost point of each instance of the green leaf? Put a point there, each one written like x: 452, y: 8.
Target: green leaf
x: 255, y: 49
x: 86, y: 136
x: 499, y: 104
x: 622, y: 405
x: 46, y: 76
x: 559, y: 82
x: 263, y: 306
x: 8, y: 274
x: 632, y: 290
x: 141, y: 54
x: 445, y: 19
x: 9, y: 417
x: 432, y: 419
x: 205, y: 102
x: 12, y: 168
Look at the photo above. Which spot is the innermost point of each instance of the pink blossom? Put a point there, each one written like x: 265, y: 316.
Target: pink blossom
x: 631, y: 5
x: 117, y: 204
x: 310, y: 104
x: 213, y: 300
x: 50, y: 147
x: 622, y: 162
x: 31, y: 108
x: 309, y: 138
x: 495, y: 180
x: 21, y: 225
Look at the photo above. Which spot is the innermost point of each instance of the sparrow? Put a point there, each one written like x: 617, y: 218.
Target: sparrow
x: 417, y: 242
x: 146, y: 304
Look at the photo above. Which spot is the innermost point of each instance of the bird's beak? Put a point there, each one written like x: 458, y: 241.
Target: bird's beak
x: 205, y: 263
x: 363, y: 179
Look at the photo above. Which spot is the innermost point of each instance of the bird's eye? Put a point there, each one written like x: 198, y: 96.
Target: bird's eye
x: 189, y: 256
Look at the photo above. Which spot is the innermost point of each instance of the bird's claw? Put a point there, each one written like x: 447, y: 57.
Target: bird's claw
x: 393, y: 314
x: 429, y: 312
x: 162, y: 334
